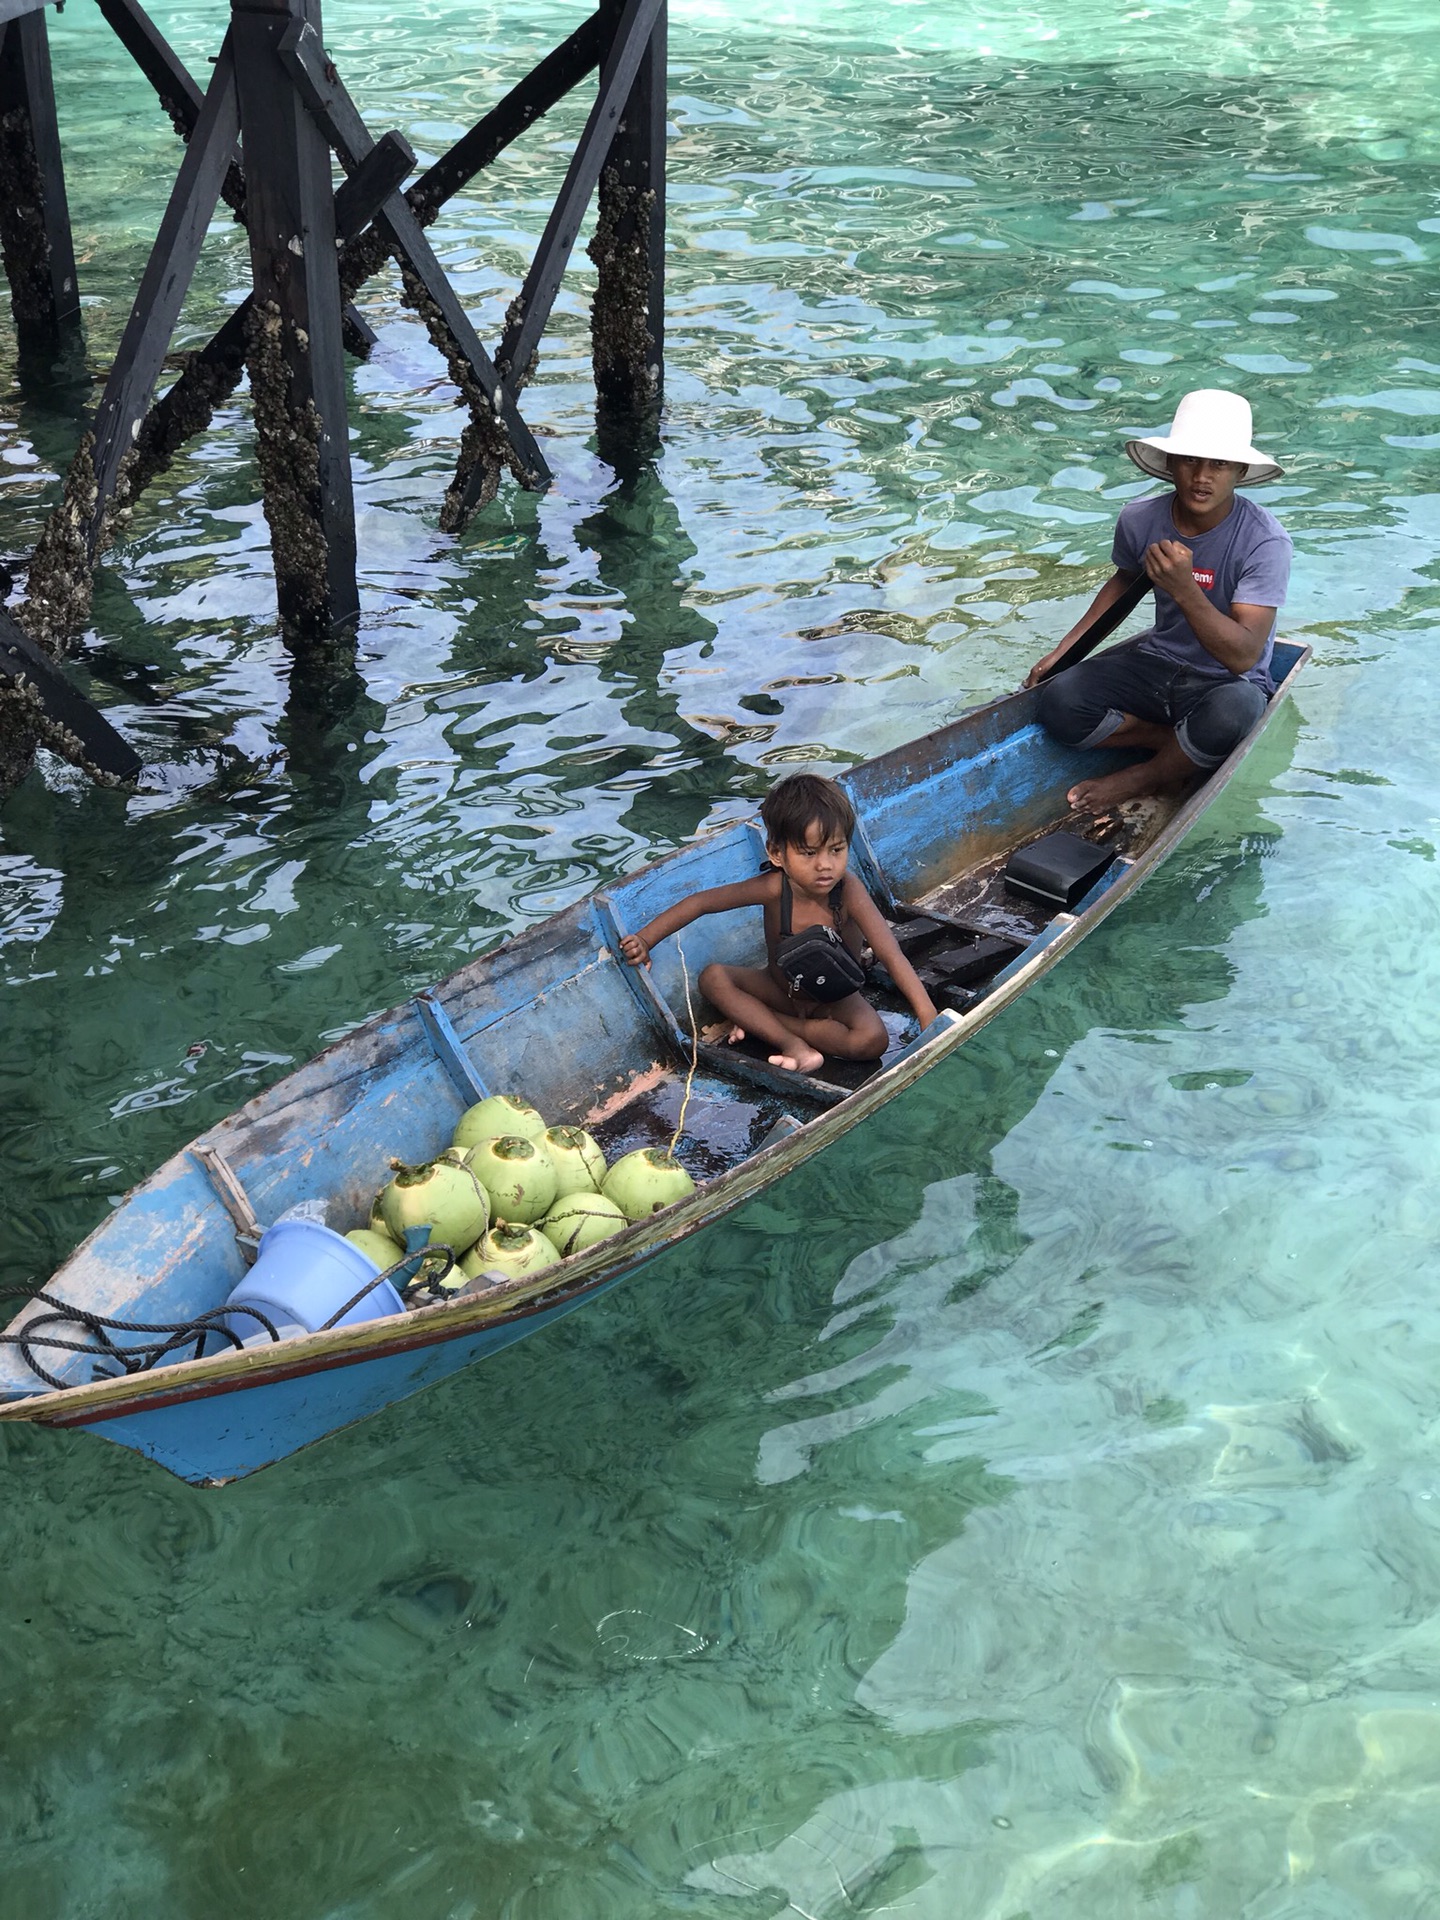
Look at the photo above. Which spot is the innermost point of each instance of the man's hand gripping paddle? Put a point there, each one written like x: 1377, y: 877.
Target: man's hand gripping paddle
x: 1100, y: 628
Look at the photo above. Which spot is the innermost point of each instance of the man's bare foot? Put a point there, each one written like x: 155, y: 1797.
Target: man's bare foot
x: 799, y: 1060
x: 1130, y: 783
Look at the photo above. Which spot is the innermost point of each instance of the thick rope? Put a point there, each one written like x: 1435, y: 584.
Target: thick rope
x: 694, y: 1051
x: 167, y: 1335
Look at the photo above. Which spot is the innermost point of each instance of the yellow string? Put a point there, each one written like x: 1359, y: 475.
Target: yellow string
x: 694, y: 1051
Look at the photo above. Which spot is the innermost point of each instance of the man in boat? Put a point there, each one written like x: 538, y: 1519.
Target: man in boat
x: 1190, y: 688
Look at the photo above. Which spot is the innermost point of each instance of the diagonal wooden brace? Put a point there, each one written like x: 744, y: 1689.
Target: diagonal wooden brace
x: 303, y: 57
x: 63, y: 718
x: 542, y: 283
x: 167, y: 276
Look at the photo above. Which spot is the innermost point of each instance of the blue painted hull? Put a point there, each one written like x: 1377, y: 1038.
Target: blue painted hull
x: 591, y: 1041
x: 211, y: 1437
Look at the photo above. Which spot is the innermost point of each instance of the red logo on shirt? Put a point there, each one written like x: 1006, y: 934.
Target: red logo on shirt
x: 1204, y: 577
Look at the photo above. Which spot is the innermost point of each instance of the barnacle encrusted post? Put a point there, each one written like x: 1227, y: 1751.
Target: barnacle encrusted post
x: 627, y: 319
x: 39, y: 255
x: 293, y: 347
x: 60, y: 583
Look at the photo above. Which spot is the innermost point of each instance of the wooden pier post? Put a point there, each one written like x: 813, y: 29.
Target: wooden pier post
x: 628, y: 317
x: 35, y: 238
x: 261, y: 135
x: 295, y: 351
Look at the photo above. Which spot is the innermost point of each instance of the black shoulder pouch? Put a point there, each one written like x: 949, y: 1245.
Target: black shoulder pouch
x: 816, y: 963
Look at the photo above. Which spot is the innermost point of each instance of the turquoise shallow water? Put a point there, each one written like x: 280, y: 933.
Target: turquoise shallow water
x: 1031, y: 1509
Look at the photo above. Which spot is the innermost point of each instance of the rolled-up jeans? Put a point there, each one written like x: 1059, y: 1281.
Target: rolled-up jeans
x: 1210, y: 712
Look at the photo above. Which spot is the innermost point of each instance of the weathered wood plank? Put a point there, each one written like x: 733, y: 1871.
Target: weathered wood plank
x: 164, y: 284
x: 38, y: 251
x: 334, y: 112
x: 296, y: 360
x: 542, y: 283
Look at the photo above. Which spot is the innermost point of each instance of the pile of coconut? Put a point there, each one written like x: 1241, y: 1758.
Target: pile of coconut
x: 511, y: 1196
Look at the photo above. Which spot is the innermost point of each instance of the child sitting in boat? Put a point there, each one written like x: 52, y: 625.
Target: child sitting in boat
x: 807, y: 1002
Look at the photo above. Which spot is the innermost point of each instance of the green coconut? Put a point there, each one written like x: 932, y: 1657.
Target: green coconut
x: 645, y: 1181
x: 518, y: 1175
x: 579, y: 1163
x: 447, y: 1199
x: 501, y: 1113
x: 510, y: 1250
x: 378, y: 1247
x: 377, y: 1218
x: 579, y: 1220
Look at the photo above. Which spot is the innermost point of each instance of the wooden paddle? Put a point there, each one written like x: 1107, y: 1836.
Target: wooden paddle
x: 1100, y: 628
x: 61, y: 715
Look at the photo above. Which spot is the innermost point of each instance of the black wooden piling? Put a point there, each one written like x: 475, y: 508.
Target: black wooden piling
x: 295, y: 354
x: 35, y: 241
x: 627, y: 319
x: 261, y: 136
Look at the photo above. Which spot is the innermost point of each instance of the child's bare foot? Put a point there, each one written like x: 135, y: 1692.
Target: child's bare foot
x: 800, y: 1059
x: 735, y: 1036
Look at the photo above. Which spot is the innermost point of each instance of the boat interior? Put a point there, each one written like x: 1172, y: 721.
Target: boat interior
x: 631, y: 1053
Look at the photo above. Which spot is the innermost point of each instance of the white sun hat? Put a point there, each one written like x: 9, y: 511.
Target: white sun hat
x: 1209, y: 424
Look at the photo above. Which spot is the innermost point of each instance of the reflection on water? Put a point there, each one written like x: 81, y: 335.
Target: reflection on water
x: 1028, y: 1509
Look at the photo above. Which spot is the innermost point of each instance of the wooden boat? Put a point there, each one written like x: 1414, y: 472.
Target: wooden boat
x: 591, y: 1041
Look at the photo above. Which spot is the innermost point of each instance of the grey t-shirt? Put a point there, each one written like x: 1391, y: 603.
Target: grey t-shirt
x: 1246, y: 559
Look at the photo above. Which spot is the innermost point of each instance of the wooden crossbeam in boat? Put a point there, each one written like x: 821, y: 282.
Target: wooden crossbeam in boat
x: 730, y: 1064
x: 941, y: 1024
x: 869, y: 870
x: 448, y: 1048
x: 231, y: 1195
x: 653, y: 1003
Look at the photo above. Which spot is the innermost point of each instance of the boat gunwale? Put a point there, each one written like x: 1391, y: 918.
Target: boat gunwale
x: 235, y: 1370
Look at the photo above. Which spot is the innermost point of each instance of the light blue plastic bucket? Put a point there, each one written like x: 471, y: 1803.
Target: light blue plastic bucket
x: 303, y: 1274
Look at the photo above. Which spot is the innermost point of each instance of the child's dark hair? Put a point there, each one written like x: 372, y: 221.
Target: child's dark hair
x: 801, y: 801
